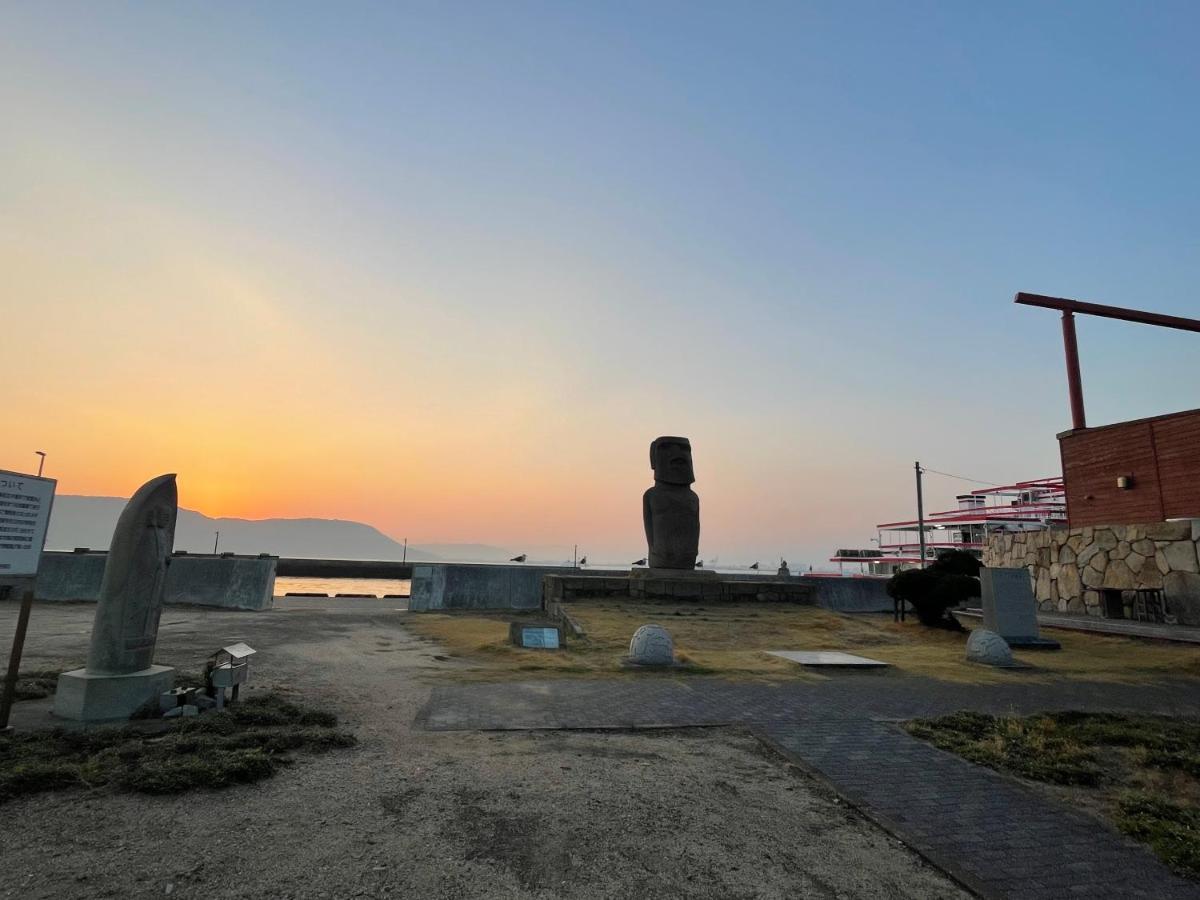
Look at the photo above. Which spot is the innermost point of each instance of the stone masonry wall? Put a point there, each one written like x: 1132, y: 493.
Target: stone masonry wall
x: 1071, y: 565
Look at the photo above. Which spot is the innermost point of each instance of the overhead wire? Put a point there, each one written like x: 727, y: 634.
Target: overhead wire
x: 959, y: 477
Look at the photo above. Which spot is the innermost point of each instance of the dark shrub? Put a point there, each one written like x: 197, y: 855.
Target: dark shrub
x: 956, y: 562
x: 948, y: 582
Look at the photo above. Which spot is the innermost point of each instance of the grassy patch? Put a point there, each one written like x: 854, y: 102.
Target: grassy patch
x: 729, y: 640
x: 1142, y: 772
x: 1171, y: 829
x: 32, y: 685
x: 249, y: 741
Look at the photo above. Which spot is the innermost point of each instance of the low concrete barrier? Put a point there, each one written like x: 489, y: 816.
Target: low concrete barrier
x: 70, y: 576
x: 854, y: 594
x: 682, y: 588
x: 471, y: 586
x: 238, y: 582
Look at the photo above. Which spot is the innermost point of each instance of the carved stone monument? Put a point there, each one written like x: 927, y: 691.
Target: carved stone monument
x: 120, y: 676
x: 989, y: 649
x: 1009, y: 608
x: 651, y: 646
x: 671, y: 509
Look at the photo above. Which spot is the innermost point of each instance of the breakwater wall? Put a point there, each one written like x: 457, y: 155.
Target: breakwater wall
x: 474, y: 586
x: 450, y: 586
x: 230, y: 582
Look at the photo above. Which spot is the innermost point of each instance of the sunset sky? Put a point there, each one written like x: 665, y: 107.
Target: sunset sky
x: 448, y: 268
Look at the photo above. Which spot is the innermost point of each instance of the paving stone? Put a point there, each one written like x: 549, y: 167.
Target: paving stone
x: 998, y: 835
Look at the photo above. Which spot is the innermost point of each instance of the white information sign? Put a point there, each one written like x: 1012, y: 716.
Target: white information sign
x: 25, y: 502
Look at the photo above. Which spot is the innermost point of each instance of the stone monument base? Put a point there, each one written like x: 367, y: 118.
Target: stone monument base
x: 1033, y: 643
x: 708, y: 586
x: 93, y: 697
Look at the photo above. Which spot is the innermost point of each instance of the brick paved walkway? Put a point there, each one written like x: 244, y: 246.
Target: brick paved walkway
x: 1185, y: 634
x: 993, y: 833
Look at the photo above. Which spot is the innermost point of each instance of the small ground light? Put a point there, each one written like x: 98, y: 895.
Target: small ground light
x: 229, y: 667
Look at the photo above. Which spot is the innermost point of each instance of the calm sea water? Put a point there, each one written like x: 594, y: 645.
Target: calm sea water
x: 377, y: 586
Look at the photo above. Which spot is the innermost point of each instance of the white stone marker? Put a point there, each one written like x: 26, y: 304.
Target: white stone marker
x: 1009, y: 608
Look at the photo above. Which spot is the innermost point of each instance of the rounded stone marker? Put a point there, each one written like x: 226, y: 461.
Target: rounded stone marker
x: 651, y: 646
x: 988, y: 648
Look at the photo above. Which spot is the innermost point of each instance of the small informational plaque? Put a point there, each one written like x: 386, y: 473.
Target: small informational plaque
x: 544, y: 638
x: 25, y: 502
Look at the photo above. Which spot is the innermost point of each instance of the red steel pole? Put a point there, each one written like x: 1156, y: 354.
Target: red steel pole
x: 1074, y: 380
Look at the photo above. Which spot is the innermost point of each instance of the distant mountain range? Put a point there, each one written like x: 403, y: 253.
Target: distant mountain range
x: 89, y: 521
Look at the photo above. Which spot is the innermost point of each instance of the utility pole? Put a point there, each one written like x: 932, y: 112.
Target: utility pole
x: 576, y: 563
x: 216, y: 541
x: 41, y: 462
x: 404, y: 559
x: 920, y: 512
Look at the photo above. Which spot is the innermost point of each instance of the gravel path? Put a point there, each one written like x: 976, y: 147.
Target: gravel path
x: 683, y: 813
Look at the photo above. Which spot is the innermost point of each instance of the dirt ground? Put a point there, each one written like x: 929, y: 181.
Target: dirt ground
x: 409, y: 813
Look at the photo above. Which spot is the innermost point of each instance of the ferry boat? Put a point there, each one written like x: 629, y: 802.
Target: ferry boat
x: 1024, y: 506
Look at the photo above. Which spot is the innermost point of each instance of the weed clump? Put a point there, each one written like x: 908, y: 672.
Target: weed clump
x: 1145, y: 769
x: 1033, y: 748
x: 1171, y: 829
x: 245, y: 743
x: 32, y: 685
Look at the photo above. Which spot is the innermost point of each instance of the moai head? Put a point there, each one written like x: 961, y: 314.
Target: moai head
x: 671, y: 460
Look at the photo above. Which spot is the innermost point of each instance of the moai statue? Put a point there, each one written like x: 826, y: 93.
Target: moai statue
x: 120, y: 675
x: 671, y: 509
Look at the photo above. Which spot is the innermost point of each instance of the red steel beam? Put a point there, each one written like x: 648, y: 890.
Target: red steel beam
x: 1074, y: 379
x: 1068, y: 308
x: 1107, y: 312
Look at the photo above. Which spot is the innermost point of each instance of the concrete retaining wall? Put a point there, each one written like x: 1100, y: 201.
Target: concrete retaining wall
x: 470, y: 586
x: 232, y: 582
x: 240, y: 582
x: 683, y: 588
x: 856, y: 594
x: 70, y: 576
x: 467, y: 586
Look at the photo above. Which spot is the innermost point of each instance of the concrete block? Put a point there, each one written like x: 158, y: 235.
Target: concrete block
x: 175, y: 697
x: 89, y: 697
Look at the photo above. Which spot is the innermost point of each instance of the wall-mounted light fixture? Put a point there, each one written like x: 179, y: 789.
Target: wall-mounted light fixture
x: 1125, y: 482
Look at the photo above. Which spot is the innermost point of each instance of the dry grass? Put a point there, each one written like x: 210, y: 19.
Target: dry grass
x: 1141, y: 772
x: 245, y: 743
x: 729, y: 640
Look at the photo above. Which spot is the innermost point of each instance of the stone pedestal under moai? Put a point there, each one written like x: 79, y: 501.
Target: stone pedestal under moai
x: 1009, y: 608
x: 120, y: 677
